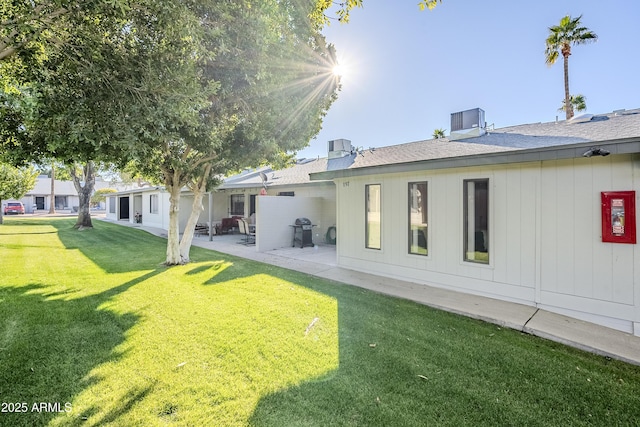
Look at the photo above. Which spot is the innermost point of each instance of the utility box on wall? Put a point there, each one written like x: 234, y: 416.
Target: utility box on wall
x: 618, y: 216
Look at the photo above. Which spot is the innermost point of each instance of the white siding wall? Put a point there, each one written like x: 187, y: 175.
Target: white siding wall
x: 544, y: 236
x: 513, y: 280
x: 578, y: 271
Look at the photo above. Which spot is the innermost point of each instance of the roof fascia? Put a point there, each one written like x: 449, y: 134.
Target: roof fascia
x: 622, y: 146
x: 271, y: 185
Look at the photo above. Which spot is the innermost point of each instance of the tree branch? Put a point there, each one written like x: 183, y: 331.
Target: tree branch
x: 10, y: 47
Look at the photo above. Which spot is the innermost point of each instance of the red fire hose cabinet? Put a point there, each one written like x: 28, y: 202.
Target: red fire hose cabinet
x: 618, y: 216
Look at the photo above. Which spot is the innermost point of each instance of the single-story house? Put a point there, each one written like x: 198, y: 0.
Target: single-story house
x: 274, y: 191
x: 547, y: 220
x: 540, y: 214
x: 65, y: 195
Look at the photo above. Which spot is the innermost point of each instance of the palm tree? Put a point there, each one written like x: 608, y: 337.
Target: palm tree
x: 577, y: 103
x: 438, y: 133
x: 561, y: 38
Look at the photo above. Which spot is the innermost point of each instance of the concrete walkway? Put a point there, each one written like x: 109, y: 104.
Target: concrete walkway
x: 321, y: 262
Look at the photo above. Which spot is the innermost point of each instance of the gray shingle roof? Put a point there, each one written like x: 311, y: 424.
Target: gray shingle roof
x: 294, y: 175
x: 586, y: 128
x: 583, y: 129
x: 412, y: 152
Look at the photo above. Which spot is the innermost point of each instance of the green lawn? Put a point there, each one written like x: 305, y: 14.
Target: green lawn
x: 93, y: 320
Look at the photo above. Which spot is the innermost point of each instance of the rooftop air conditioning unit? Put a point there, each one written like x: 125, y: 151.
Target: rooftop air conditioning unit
x: 339, y: 148
x: 467, y: 124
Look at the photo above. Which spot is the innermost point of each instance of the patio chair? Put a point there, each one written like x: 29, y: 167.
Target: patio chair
x: 227, y: 225
x: 201, y: 229
x: 250, y: 237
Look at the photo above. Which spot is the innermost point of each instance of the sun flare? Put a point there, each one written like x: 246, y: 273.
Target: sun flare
x: 338, y: 70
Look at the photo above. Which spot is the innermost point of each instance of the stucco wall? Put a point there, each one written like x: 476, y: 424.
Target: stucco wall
x: 159, y: 219
x: 277, y: 214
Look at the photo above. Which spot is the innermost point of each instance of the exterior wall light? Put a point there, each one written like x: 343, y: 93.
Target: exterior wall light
x: 595, y: 151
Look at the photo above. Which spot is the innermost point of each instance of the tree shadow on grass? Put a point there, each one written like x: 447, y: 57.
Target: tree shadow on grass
x: 49, y: 345
x: 121, y: 409
x: 213, y: 266
x: 113, y: 248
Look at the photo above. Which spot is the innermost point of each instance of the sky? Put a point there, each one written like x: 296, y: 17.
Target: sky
x: 407, y: 70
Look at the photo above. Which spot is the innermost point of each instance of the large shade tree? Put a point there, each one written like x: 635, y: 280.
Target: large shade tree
x: 187, y: 90
x: 561, y: 38
x: 247, y: 82
x: 326, y: 10
x: 57, y: 98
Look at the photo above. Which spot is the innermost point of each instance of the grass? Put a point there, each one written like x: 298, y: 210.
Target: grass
x: 94, y: 320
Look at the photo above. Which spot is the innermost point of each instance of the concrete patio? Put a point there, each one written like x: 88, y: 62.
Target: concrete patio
x: 311, y: 259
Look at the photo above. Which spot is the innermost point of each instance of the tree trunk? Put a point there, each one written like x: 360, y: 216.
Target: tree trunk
x: 198, y: 188
x: 568, y: 108
x: 52, y: 195
x: 1, y: 213
x: 187, y: 237
x: 85, y: 189
x: 173, y: 237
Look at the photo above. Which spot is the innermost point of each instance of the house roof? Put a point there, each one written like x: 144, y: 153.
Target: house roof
x: 529, y: 142
x: 582, y: 128
x: 61, y: 188
x: 300, y: 173
x: 295, y: 175
x: 535, y: 141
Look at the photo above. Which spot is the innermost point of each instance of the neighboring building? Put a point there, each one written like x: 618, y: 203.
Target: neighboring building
x: 529, y: 223
x: 66, y: 196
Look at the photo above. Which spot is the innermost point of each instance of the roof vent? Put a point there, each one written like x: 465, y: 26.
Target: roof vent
x: 467, y: 124
x: 339, y: 148
x: 581, y: 118
x: 304, y: 161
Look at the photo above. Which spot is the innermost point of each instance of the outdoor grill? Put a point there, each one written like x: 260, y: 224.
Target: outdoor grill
x: 303, y: 232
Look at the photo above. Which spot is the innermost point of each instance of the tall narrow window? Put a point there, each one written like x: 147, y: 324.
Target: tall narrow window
x: 153, y: 203
x: 418, y: 218
x: 476, y: 220
x: 112, y: 204
x: 237, y: 204
x: 373, y: 217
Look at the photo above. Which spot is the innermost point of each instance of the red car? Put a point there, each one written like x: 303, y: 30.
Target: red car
x: 14, y: 208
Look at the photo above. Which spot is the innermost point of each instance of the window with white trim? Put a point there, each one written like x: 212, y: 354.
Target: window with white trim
x: 418, y: 218
x: 476, y: 220
x: 237, y: 204
x: 373, y: 220
x: 153, y: 203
